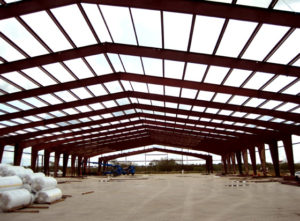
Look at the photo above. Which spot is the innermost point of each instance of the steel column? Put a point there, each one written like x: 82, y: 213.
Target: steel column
x: 1, y: 152
x: 73, y: 159
x: 46, y: 162
x: 65, y: 163
x: 224, y: 164
x: 56, y: 163
x: 34, y: 154
x: 262, y: 156
x: 79, y: 166
x: 253, y: 159
x: 245, y: 158
x: 288, y: 147
x: 232, y: 156
x: 275, y: 158
x: 239, y: 161
x: 18, y: 152
x: 85, y: 161
x: 99, y: 165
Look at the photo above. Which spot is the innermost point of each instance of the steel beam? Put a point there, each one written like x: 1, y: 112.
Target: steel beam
x: 1, y: 152
x: 253, y: 160
x: 288, y: 147
x: 34, y: 155
x: 245, y: 158
x: 18, y: 152
x: 153, y: 53
x: 239, y: 161
x: 275, y: 157
x: 213, y: 9
x: 65, y: 163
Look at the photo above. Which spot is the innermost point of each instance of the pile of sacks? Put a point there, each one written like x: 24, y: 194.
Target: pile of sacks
x: 21, y: 187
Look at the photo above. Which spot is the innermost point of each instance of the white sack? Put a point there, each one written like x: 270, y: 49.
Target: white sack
x: 10, y: 183
x: 4, y: 169
x: 48, y: 196
x: 28, y: 178
x: 15, y: 198
x: 43, y: 183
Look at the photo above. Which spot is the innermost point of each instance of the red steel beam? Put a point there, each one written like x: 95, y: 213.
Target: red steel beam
x: 152, y: 80
x: 238, y: 12
x: 153, y: 53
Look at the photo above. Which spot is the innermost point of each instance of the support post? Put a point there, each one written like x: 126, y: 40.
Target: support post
x: 99, y: 165
x: 85, y: 166
x: 46, y: 162
x: 275, y: 158
x: 56, y: 163
x: 79, y: 166
x: 34, y: 154
x: 18, y: 154
x: 253, y: 160
x: 229, y: 169
x: 73, y: 159
x: 224, y: 164
x: 1, y: 152
x: 262, y: 156
x: 245, y: 158
x: 232, y: 156
x: 239, y: 161
x: 288, y: 147
x: 65, y: 163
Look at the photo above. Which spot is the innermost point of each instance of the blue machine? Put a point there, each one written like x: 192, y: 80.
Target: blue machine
x: 117, y: 170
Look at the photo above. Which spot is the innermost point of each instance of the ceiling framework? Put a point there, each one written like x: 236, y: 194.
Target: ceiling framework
x: 200, y: 75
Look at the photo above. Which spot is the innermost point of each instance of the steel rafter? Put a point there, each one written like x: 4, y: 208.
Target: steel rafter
x: 150, y: 52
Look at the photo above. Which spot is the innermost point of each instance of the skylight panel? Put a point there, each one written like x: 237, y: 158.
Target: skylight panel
x: 114, y: 59
x: 123, y: 101
x: 156, y: 89
x: 59, y: 72
x: 235, y: 37
x: 79, y: 68
x: 99, y: 64
x: 194, y: 72
x: 70, y: 111
x: 45, y: 116
x: 174, y: 69
x: 238, y: 100
x: 66, y: 96
x: 206, y: 33
x: 205, y: 95
x: 252, y: 116
x: 255, y: 3
x: 114, y: 87
x: 288, y: 50
x: 109, y: 104
x: 32, y: 118
x: 20, y: 80
x: 4, y: 85
x: 271, y: 104
x: 57, y: 113
x: 211, y: 110
x: 279, y: 83
x: 81, y: 92
x: 96, y: 19
x: 172, y: 91
x: 185, y: 107
x: 198, y: 109
x: 216, y: 74
x: 119, y: 23
x: 39, y: 76
x: 97, y: 90
x: 171, y: 105
x: 287, y: 106
x: 157, y: 103
x: 288, y: 5
x: 153, y: 66
x: 21, y: 37
x: 237, y: 77
x: 148, y: 27
x: 74, y: 24
x: 95, y: 117
x: 176, y: 30
x: 96, y: 106
x: 188, y: 93
x: 293, y: 90
x: 8, y: 52
x: 127, y: 85
x: 35, y: 102
x: 131, y: 111
x: 222, y: 98
x: 8, y: 123
x: 144, y: 101
x: 46, y: 29
x: 132, y: 64
x: 258, y: 80
x: 225, y: 112
x: 266, y: 38
x: 133, y: 100
x: 83, y: 109
x: 255, y: 102
x: 50, y: 99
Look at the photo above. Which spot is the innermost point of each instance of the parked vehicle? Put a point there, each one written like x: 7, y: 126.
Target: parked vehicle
x: 297, y: 175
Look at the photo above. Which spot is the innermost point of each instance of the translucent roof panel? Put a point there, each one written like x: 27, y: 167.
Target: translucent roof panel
x: 97, y: 90
x: 172, y: 91
x: 221, y: 97
x: 99, y: 64
x: 115, y: 60
x: 205, y: 95
x: 44, y: 26
x: 266, y: 38
x: 195, y: 72
x: 235, y: 37
x: 119, y: 23
x: 21, y: 37
x: 254, y: 3
x: 156, y: 89
x: 294, y: 89
x: 279, y: 83
x: 59, y: 72
x: 74, y: 24
x: 206, y: 33
x: 148, y: 27
x: 188, y: 93
x: 237, y: 77
x: 288, y: 5
x: 8, y: 52
x: 141, y: 87
x: 153, y: 66
x: 258, y: 80
x: 132, y: 64
x: 79, y: 68
x: 288, y: 50
x: 40, y: 76
x: 174, y: 69
x: 176, y: 30
x: 216, y: 74
x: 96, y: 19
x: 20, y: 80
x: 7, y: 87
x: 114, y: 87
